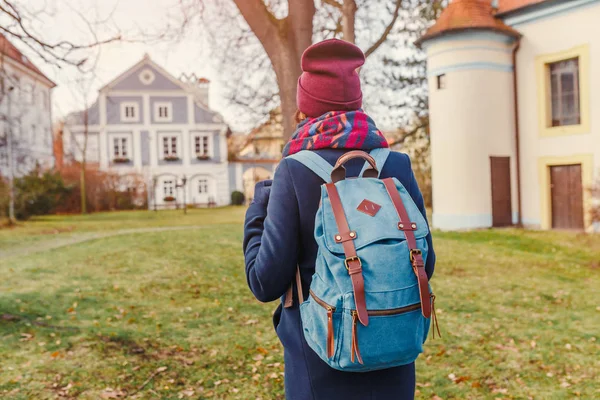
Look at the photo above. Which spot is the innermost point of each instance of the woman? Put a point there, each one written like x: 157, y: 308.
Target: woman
x: 280, y: 221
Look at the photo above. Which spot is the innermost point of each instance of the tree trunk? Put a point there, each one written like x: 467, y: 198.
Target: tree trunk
x: 284, y: 41
x: 287, y: 69
x: 348, y: 18
x: 82, y: 189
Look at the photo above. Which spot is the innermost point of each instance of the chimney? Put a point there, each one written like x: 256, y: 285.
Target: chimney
x: 199, y: 86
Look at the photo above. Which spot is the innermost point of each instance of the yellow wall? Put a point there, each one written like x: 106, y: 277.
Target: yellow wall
x: 549, y: 39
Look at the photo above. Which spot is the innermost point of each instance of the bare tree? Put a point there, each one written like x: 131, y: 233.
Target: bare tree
x: 22, y: 23
x: 268, y: 38
x: 83, y: 92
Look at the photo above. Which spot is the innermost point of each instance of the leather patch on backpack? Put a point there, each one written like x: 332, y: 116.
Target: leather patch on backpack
x: 368, y: 207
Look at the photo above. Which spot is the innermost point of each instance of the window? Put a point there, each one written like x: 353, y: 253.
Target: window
x: 146, y: 77
x: 163, y: 112
x: 32, y: 134
x: 170, y: 147
x: 201, y: 146
x: 203, y: 186
x: 120, y: 147
x: 31, y: 94
x: 168, y: 188
x: 45, y: 103
x: 129, y: 112
x: 121, y: 151
x: 564, y: 92
x: 441, y: 81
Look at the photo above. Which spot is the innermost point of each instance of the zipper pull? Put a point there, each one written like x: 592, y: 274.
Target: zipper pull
x: 354, y: 347
x: 434, y: 319
x: 330, y: 333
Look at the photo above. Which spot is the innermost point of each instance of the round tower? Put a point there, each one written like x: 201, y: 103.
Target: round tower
x: 472, y: 117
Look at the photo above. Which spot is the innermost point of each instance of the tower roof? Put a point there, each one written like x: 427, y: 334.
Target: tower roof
x: 505, y: 6
x: 468, y: 15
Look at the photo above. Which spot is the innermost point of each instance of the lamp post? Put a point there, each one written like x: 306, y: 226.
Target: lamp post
x: 182, y: 185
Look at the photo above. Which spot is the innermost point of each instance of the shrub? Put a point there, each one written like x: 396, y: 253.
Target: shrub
x: 39, y: 193
x: 105, y: 191
x: 237, y: 198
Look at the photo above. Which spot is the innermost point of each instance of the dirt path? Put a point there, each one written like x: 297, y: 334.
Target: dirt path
x: 55, y: 243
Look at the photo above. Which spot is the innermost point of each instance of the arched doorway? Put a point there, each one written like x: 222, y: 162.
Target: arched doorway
x: 251, y: 176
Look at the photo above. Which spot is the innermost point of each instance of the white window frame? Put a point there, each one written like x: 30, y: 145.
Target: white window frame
x: 146, y: 76
x: 209, y: 147
x: 128, y: 144
x: 170, y: 153
x: 168, y: 187
x: 203, y: 183
x: 168, y: 106
x: 136, y: 111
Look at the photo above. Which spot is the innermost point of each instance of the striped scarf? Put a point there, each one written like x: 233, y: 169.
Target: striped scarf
x: 336, y: 130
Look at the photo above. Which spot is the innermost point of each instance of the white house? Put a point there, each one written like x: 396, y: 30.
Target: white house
x: 25, y: 113
x: 515, y: 112
x: 149, y: 123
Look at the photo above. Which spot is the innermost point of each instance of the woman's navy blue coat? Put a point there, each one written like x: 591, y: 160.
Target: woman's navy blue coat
x: 278, y: 236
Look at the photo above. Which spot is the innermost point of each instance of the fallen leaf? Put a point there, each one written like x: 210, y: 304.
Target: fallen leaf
x: 161, y: 369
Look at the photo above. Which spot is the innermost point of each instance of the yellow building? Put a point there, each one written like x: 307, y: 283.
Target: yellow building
x: 515, y: 126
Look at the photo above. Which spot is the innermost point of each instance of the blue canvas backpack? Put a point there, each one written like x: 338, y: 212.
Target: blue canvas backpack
x: 370, y: 302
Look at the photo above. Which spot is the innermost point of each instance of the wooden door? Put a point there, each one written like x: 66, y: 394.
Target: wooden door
x: 566, y: 192
x: 501, y: 191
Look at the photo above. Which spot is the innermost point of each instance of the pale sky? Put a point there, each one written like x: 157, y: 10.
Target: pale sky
x: 187, y: 55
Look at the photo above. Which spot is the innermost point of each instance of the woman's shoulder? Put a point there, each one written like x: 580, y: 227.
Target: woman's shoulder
x: 398, y: 166
x: 399, y: 158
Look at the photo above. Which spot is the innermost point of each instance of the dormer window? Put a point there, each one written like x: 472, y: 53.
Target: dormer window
x: 130, y: 112
x: 163, y: 112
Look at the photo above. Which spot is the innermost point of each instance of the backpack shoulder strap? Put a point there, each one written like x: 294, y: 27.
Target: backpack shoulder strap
x: 380, y: 156
x: 315, y: 163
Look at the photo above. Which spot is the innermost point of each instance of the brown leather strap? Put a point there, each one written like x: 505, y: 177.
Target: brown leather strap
x: 299, y: 286
x: 416, y: 258
x: 353, y: 264
x: 339, y: 172
x: 289, y: 295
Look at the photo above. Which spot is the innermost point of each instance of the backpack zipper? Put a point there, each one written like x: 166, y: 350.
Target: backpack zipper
x: 371, y: 313
x: 330, y: 334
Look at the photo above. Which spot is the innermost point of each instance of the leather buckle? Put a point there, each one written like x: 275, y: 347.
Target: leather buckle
x: 349, y: 259
x: 414, y: 253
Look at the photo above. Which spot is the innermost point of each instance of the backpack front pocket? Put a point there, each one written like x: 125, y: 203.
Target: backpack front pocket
x: 321, y: 324
x: 393, y: 337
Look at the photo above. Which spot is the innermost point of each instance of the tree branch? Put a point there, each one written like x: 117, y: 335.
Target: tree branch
x: 264, y: 24
x: 386, y: 32
x: 333, y: 3
x: 300, y: 15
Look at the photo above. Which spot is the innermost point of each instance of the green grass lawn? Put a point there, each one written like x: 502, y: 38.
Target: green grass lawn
x: 167, y: 314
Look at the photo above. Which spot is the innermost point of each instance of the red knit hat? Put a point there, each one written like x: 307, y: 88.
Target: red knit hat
x: 329, y: 81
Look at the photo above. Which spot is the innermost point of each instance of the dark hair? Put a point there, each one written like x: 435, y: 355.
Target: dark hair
x: 299, y: 116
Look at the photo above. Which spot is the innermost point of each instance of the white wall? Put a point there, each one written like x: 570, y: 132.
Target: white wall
x: 30, y: 117
x: 471, y: 120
